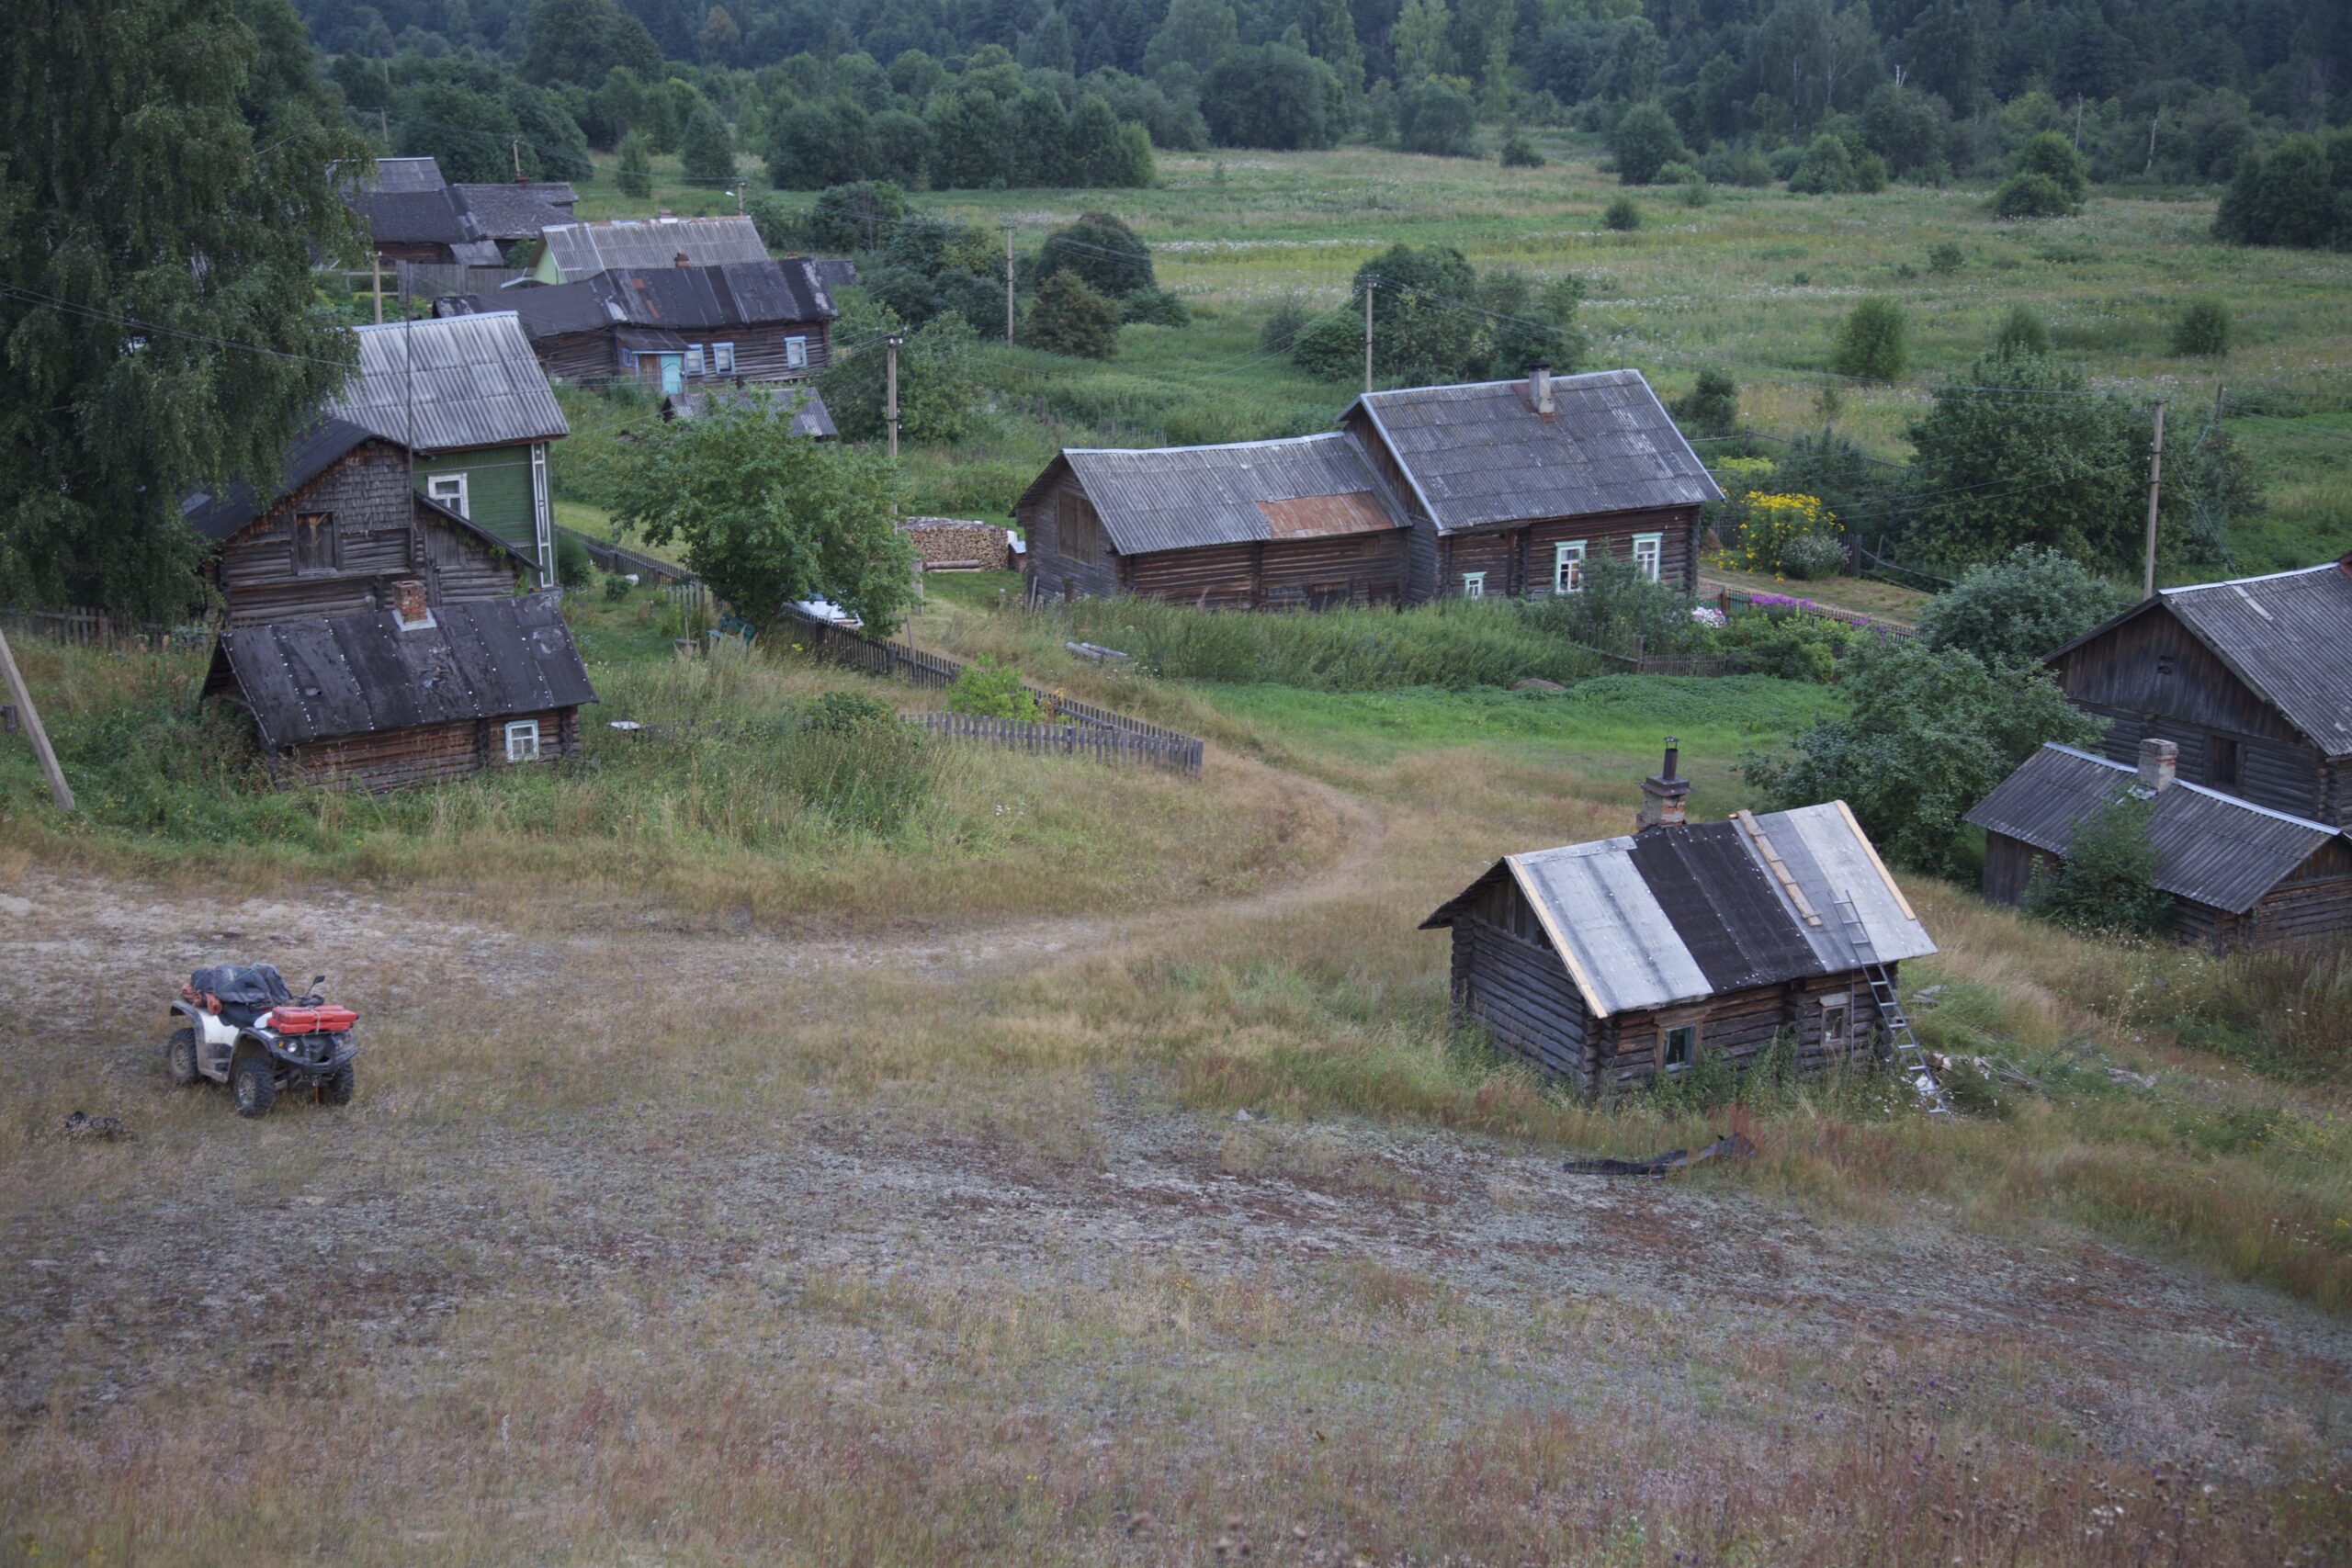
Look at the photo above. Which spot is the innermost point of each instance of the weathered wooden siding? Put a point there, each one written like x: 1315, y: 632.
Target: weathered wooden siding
x: 1057, y: 569
x: 2319, y: 911
x: 1738, y: 1027
x: 1214, y: 577
x: 426, y: 754
x: 1519, y: 990
x: 367, y: 500
x: 583, y: 359
x: 2008, y: 868
x: 1273, y: 574
x: 1421, y: 543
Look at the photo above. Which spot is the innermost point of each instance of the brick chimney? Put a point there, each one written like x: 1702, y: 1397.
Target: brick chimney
x: 1539, y: 388
x: 408, y: 604
x: 2159, y: 760
x: 1662, y: 797
x: 681, y: 259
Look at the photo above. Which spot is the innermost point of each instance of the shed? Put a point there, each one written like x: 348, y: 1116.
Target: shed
x: 409, y: 694
x: 429, y: 224
x: 2241, y: 875
x: 468, y: 395
x: 341, y: 529
x: 1302, y: 523
x: 1514, y: 484
x: 510, y: 213
x: 1611, y: 962
x: 2251, y: 677
x: 575, y: 251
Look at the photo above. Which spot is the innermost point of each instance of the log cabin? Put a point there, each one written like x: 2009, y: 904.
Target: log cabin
x: 1612, y: 964
x: 1495, y: 489
x: 468, y: 396
x: 568, y: 253
x: 1513, y: 485
x: 2241, y: 876
x: 2251, y: 679
x: 415, y: 693
x: 413, y: 215
x: 344, y: 527
x: 1297, y: 524
x: 673, y: 328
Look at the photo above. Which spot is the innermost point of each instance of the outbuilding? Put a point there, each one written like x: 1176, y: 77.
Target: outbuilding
x: 1613, y: 963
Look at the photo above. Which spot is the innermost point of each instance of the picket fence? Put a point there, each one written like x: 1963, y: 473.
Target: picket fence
x: 1040, y: 738
x: 99, y: 628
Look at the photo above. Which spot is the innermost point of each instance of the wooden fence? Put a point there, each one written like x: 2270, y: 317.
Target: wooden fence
x: 621, y: 558
x: 1640, y: 663
x: 1039, y: 738
x: 99, y: 628
x: 430, y: 280
x: 900, y: 662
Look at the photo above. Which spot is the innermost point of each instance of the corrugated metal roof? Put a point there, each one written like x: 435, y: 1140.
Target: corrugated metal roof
x: 2289, y: 638
x: 432, y: 216
x: 461, y: 381
x: 1479, y: 455
x: 583, y: 249
x: 1678, y: 914
x: 686, y: 299
x: 510, y: 212
x: 318, y: 678
x: 809, y: 415
x: 2212, y: 849
x: 1174, y: 498
x: 404, y: 174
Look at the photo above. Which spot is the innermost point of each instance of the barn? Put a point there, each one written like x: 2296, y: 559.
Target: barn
x: 414, y: 694
x: 1613, y: 963
x: 1298, y: 524
x: 2240, y: 876
x: 342, y: 528
x: 2251, y: 679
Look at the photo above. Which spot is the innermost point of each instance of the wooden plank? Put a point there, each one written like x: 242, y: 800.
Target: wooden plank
x: 28, y: 714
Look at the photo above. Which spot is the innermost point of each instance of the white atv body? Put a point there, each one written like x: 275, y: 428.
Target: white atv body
x: 255, y: 1061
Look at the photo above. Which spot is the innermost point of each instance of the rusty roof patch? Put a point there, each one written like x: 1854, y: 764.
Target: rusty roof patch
x: 1323, y: 516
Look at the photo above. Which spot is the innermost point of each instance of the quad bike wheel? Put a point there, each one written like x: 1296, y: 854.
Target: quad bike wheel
x: 253, y: 1084
x: 335, y: 1088
x: 179, y: 1057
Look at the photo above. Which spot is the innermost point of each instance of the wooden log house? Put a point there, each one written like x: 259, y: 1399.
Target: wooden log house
x: 1613, y: 963
x: 2251, y: 679
x: 2240, y: 876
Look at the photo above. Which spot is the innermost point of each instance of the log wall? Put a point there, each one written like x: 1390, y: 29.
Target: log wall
x: 424, y: 753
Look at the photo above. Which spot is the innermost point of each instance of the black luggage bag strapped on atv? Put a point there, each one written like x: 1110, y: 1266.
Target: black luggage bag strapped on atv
x: 244, y: 1028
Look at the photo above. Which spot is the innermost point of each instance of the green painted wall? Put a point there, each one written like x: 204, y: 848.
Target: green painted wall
x: 498, y: 488
x: 543, y: 267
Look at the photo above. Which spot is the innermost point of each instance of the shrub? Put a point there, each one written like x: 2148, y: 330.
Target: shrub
x: 616, y: 587
x: 2016, y: 611
x: 1811, y: 556
x: 1100, y: 252
x: 1155, y: 308
x: 847, y: 713
x: 572, y: 566
x: 634, y: 174
x: 990, y: 690
x: 1071, y: 318
x: 1944, y: 258
x: 1693, y: 192
x: 1874, y: 341
x: 1618, y: 609
x: 855, y: 216
x: 1675, y: 173
x: 1784, y: 642
x: 1518, y: 152
x: 1645, y: 140
x: 2108, y: 880
x: 2046, y: 179
x: 1435, y: 119
x: 2202, y: 328
x: 1735, y: 166
x: 1712, y: 407
x: 2022, y: 331
x: 1621, y: 216
x: 1767, y: 527
x: 1826, y: 168
x: 1280, y: 334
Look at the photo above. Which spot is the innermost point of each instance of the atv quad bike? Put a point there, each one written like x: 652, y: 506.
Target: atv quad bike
x: 240, y: 1026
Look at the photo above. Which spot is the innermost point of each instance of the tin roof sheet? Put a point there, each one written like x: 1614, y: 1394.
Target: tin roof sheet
x: 1174, y: 498
x: 583, y: 249
x: 2211, y: 848
x: 1480, y: 456
x: 449, y: 383
x: 510, y: 212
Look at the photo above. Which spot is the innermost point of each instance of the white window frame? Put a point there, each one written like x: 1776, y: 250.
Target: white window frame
x: 1567, y: 567
x: 1838, y: 1021
x: 451, y: 491
x: 796, y: 354
x: 694, y: 359
x: 523, y: 740
x: 1474, y: 585
x: 1653, y: 548
x: 722, y: 359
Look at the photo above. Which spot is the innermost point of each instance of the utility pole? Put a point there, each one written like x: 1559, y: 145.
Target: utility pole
x: 2078, y: 122
x: 891, y: 387
x: 2155, y: 474
x: 1008, y: 284
x: 58, y: 790
x: 516, y: 146
x: 376, y: 273
x: 1369, y: 284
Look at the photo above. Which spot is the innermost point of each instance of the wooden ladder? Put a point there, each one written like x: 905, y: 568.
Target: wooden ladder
x: 1909, y: 1059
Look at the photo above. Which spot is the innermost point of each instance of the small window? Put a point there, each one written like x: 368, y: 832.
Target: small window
x: 2163, y: 663
x: 1676, y: 1045
x: 450, y: 489
x: 2222, y: 762
x: 722, y: 359
x: 1649, y: 553
x: 1328, y: 595
x: 313, y: 542
x: 796, y: 354
x: 629, y: 359
x: 694, y: 359
x: 1567, y: 567
x: 1837, y: 1021
x: 523, y: 740
x: 1474, y: 585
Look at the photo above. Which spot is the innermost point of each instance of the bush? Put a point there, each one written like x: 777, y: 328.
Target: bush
x: 2016, y: 611
x: 1100, y: 252
x: 1826, y: 168
x: 1618, y: 610
x: 856, y: 217
x: 1518, y: 152
x: 990, y: 690
x: 634, y: 174
x: 1766, y: 528
x: 2022, y: 331
x: 1621, y: 216
x: 1784, y: 642
x: 1712, y: 407
x: 2107, y: 880
x: 2046, y: 179
x: 1280, y: 334
x: 1645, y: 140
x: 847, y: 713
x: 616, y: 587
x: 1155, y: 308
x: 1735, y: 166
x: 1435, y: 119
x: 1811, y: 556
x: 573, y: 568
x: 1693, y: 192
x: 1069, y: 318
x: 2202, y: 328
x: 1874, y: 341
x: 1944, y: 258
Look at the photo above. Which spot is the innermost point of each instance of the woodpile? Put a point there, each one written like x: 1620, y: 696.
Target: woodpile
x: 950, y: 544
